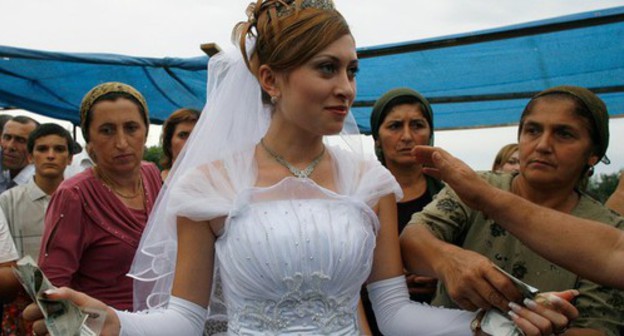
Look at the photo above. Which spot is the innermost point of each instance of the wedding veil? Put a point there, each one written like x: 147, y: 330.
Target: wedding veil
x: 233, y: 119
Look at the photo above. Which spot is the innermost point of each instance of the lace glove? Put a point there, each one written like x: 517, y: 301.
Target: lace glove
x: 182, y: 317
x: 397, y: 315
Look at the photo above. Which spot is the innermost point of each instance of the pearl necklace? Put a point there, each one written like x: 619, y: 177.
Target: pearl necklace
x: 300, y: 173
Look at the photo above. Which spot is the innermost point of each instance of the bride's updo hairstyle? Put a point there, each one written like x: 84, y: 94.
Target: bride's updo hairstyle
x: 287, y: 33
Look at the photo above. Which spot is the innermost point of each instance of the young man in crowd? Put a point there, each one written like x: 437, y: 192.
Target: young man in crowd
x: 49, y: 148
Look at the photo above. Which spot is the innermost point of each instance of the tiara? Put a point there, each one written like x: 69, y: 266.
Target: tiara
x: 287, y: 7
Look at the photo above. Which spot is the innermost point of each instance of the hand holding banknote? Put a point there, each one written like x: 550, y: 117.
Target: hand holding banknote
x: 540, y: 314
x: 56, y: 315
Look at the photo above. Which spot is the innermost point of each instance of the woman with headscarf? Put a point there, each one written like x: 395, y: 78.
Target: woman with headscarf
x: 401, y: 119
x: 563, y: 133
x: 95, y: 219
x: 593, y: 245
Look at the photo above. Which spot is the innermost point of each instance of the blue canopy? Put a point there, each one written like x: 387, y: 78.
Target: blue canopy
x: 479, y: 79
x: 485, y: 78
x: 53, y: 83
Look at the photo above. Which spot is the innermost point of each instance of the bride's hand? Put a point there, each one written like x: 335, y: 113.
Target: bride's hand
x: 83, y: 301
x: 549, y: 313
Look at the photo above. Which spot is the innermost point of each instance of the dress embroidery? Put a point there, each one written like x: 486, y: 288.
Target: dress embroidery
x: 282, y: 262
x: 297, y: 307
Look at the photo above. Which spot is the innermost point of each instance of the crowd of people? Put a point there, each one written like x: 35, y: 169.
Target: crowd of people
x: 256, y: 225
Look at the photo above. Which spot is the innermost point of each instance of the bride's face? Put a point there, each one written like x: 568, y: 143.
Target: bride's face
x: 317, y: 96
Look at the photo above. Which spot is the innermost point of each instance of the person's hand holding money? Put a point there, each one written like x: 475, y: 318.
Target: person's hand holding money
x: 548, y: 314
x: 473, y: 283
x: 85, y: 302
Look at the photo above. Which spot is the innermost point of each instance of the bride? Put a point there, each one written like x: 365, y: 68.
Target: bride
x: 291, y: 226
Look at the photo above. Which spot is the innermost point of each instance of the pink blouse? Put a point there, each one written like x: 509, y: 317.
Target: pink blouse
x: 90, y: 236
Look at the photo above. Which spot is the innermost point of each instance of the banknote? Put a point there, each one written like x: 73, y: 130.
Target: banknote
x: 527, y: 290
x: 62, y: 317
x: 497, y: 323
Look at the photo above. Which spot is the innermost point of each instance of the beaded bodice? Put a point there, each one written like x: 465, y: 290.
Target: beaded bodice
x: 295, y: 265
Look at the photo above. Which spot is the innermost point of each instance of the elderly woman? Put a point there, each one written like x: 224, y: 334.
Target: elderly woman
x: 563, y: 133
x: 95, y: 219
x: 506, y: 160
x: 176, y: 131
x: 593, y: 245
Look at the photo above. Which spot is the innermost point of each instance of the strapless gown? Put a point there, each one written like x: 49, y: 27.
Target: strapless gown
x: 292, y: 259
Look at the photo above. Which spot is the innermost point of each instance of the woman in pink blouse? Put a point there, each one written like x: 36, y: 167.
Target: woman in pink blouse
x: 95, y: 219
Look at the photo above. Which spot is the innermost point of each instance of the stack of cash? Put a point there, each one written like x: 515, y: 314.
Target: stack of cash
x: 62, y: 317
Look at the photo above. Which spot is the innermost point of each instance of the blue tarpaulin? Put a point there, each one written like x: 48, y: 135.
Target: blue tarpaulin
x: 479, y: 79
x: 53, y: 83
x: 485, y: 78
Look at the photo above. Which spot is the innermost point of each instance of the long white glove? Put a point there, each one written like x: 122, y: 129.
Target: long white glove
x: 397, y: 315
x: 182, y: 317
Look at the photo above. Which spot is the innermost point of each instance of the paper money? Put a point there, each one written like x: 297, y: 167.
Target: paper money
x: 62, y: 317
x: 527, y: 290
x: 497, y: 323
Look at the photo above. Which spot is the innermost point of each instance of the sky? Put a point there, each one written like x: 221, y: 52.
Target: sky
x: 166, y: 28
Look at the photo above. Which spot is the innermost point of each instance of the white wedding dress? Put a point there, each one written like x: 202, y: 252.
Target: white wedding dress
x: 292, y: 257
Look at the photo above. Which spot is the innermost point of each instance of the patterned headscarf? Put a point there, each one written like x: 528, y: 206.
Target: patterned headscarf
x: 596, y: 107
x: 105, y: 88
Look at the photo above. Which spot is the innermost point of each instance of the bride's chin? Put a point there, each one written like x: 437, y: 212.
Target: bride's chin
x: 333, y: 130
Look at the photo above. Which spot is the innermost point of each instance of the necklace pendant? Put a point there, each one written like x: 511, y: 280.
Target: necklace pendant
x: 300, y: 174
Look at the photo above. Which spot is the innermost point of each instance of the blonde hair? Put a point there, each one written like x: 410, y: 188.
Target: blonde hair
x: 503, y: 155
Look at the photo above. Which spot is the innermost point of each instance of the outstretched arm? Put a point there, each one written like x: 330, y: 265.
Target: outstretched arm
x: 593, y: 244
x: 186, y: 311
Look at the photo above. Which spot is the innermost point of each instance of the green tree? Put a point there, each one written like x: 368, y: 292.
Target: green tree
x: 602, y: 186
x: 153, y: 154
